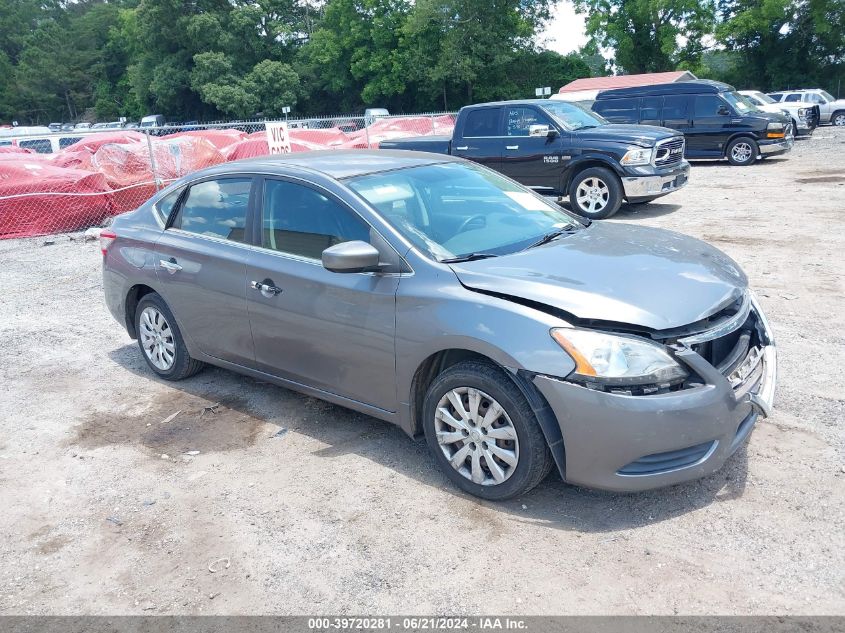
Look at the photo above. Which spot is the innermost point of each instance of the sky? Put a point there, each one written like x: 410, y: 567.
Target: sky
x: 565, y: 31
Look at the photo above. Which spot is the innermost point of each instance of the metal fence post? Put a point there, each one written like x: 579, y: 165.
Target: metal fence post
x: 152, y: 161
x: 367, y: 132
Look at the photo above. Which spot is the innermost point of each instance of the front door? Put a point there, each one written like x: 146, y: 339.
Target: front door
x: 534, y: 161
x: 201, y: 267
x: 712, y: 122
x: 331, y: 331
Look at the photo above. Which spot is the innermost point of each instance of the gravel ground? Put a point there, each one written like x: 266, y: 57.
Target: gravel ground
x: 315, y: 509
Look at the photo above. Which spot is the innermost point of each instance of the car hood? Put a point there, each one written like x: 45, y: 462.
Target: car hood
x: 646, y: 277
x: 641, y: 135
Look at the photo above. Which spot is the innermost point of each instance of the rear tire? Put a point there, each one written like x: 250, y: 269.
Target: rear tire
x: 742, y: 151
x: 595, y: 193
x: 494, y: 422
x: 160, y: 340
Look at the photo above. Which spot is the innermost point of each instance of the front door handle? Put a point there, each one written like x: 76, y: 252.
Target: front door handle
x: 462, y: 148
x: 170, y: 265
x: 266, y: 287
x: 511, y: 146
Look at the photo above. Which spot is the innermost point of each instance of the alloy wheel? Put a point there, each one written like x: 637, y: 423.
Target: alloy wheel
x: 476, y: 436
x: 839, y: 119
x: 741, y: 152
x: 592, y: 194
x: 157, y: 338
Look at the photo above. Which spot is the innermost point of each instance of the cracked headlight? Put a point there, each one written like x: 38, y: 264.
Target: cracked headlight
x: 613, y: 359
x: 638, y: 157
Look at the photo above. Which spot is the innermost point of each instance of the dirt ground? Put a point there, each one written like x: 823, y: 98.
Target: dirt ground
x: 301, y: 507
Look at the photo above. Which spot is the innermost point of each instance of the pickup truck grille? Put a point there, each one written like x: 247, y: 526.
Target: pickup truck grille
x: 669, y: 152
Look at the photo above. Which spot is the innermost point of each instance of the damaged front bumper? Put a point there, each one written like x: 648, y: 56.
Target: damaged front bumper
x: 637, y: 442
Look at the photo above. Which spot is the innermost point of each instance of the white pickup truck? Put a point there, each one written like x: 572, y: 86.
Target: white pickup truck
x: 805, y: 116
x: 831, y: 110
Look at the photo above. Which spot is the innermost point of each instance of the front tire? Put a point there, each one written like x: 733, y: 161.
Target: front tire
x: 595, y: 193
x: 160, y: 340
x: 742, y: 151
x: 838, y: 118
x: 483, y: 433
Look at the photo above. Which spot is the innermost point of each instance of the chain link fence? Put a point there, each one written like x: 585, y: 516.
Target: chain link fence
x: 68, y: 181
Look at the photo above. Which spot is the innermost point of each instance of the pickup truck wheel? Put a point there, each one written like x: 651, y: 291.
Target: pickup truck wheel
x: 742, y: 151
x: 838, y: 118
x: 595, y: 193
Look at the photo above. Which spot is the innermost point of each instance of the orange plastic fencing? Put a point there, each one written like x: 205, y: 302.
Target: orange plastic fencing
x: 70, y: 181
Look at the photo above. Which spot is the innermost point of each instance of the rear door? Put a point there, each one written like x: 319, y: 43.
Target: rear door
x: 330, y: 331
x: 534, y: 161
x: 480, y: 137
x: 200, y: 263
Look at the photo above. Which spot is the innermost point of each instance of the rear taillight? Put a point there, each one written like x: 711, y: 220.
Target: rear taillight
x: 106, y: 239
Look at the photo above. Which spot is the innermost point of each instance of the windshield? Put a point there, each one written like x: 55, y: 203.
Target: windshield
x: 573, y: 116
x: 453, y: 210
x: 740, y: 103
x: 827, y: 95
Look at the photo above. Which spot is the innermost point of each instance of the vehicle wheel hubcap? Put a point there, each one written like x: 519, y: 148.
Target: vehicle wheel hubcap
x: 157, y: 338
x: 477, y: 436
x: 741, y: 152
x: 592, y: 195
x: 839, y: 120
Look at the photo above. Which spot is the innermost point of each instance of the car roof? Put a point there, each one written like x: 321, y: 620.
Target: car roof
x: 511, y: 102
x: 337, y: 164
x: 697, y: 86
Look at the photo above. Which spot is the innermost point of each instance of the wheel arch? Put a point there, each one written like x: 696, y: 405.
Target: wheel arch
x: 739, y: 135
x: 438, y: 362
x: 586, y: 162
x: 130, y: 304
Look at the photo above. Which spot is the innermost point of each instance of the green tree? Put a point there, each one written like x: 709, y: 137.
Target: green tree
x: 649, y: 35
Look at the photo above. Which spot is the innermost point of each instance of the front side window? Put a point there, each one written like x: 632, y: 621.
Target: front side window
x: 216, y: 208
x: 301, y: 221
x: 451, y: 210
x: 708, y: 105
x: 482, y: 122
x: 814, y: 98
x: 518, y: 121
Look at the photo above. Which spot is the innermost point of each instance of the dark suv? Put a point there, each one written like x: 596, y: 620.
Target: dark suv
x: 716, y: 121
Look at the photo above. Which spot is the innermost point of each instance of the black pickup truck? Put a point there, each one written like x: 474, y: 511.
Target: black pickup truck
x: 561, y: 149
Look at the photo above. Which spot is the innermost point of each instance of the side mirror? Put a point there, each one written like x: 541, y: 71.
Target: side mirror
x: 723, y: 110
x: 538, y: 130
x: 351, y: 257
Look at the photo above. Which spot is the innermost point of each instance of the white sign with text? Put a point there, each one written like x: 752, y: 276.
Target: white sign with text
x: 278, y: 139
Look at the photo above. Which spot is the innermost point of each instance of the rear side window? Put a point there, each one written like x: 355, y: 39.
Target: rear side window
x: 793, y: 98
x: 707, y: 105
x: 217, y: 208
x: 675, y: 108
x: 650, y: 108
x: 301, y: 221
x: 164, y: 207
x: 777, y: 96
x: 618, y: 110
x: 482, y: 122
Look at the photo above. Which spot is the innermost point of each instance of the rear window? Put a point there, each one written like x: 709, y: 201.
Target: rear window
x: 482, y: 122
x: 618, y: 110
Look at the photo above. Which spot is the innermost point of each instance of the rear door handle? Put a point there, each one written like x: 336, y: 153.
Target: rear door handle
x: 266, y: 287
x: 511, y: 146
x: 462, y: 148
x: 170, y: 265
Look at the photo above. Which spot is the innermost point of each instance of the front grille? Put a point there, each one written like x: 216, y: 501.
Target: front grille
x: 670, y: 460
x: 669, y: 152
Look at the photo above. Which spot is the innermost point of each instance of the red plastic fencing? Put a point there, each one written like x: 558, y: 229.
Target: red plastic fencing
x: 68, y: 182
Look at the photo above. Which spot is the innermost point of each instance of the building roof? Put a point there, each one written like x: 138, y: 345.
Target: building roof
x: 627, y: 81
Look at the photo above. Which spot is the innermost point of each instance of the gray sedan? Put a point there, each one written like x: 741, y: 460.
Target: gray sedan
x: 438, y: 295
